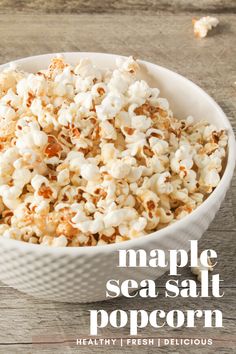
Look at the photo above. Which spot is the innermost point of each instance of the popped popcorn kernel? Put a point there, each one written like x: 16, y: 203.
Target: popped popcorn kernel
x: 203, y: 25
x: 200, y: 267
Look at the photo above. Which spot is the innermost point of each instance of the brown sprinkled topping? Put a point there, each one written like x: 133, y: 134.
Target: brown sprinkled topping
x: 101, y: 91
x: 31, y: 97
x: 127, y: 179
x: 76, y: 132
x: 151, y: 205
x: 129, y: 131
x: 148, y: 151
x: 65, y: 228
x: 53, y: 148
x: 45, y: 191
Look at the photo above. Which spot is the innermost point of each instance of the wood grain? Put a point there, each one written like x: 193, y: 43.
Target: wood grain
x: 121, y: 6
x: 42, y: 321
x: 165, y: 38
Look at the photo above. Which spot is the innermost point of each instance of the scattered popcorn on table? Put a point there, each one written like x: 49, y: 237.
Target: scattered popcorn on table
x: 203, y: 25
x: 91, y: 157
x: 198, y: 270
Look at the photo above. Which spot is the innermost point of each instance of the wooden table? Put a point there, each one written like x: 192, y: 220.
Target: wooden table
x: 161, y: 32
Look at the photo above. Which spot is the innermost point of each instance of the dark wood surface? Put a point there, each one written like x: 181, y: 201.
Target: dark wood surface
x: 111, y: 6
x: 161, y: 32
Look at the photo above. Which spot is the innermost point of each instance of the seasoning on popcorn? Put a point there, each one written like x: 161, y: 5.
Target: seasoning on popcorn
x: 91, y: 157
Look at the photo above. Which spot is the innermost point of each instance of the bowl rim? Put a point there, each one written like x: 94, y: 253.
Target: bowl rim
x: 178, y: 226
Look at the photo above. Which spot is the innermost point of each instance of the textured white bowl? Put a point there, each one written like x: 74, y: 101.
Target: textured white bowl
x: 80, y: 274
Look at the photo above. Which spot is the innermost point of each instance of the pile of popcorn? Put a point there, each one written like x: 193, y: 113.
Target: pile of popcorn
x: 92, y: 157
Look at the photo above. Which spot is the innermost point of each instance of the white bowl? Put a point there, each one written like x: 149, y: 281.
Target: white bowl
x: 80, y: 274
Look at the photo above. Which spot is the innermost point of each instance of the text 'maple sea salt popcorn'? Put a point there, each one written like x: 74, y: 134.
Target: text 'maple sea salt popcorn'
x: 91, y: 157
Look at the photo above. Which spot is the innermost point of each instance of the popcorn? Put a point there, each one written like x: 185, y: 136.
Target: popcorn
x: 21, y: 177
x: 163, y: 184
x: 138, y: 92
x: 63, y: 177
x: 89, y: 172
x: 12, y: 233
x: 84, y: 99
x: 37, y: 181
x: 108, y: 152
x: 118, y: 82
x: 86, y: 69
x: 140, y: 224
x: 10, y: 196
x: 129, y: 65
x: 110, y: 106
x: 107, y: 131
x: 203, y: 25
x: 42, y: 207
x: 182, y: 160
x: 65, y: 228
x: 91, y: 226
x: 7, y: 112
x: 141, y: 122
x: 90, y: 157
x: 119, y: 216
x: 159, y: 146
x: 60, y: 241
x: 198, y: 270
x: 166, y: 216
x: 210, y: 178
x: 190, y: 181
x: 119, y: 169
